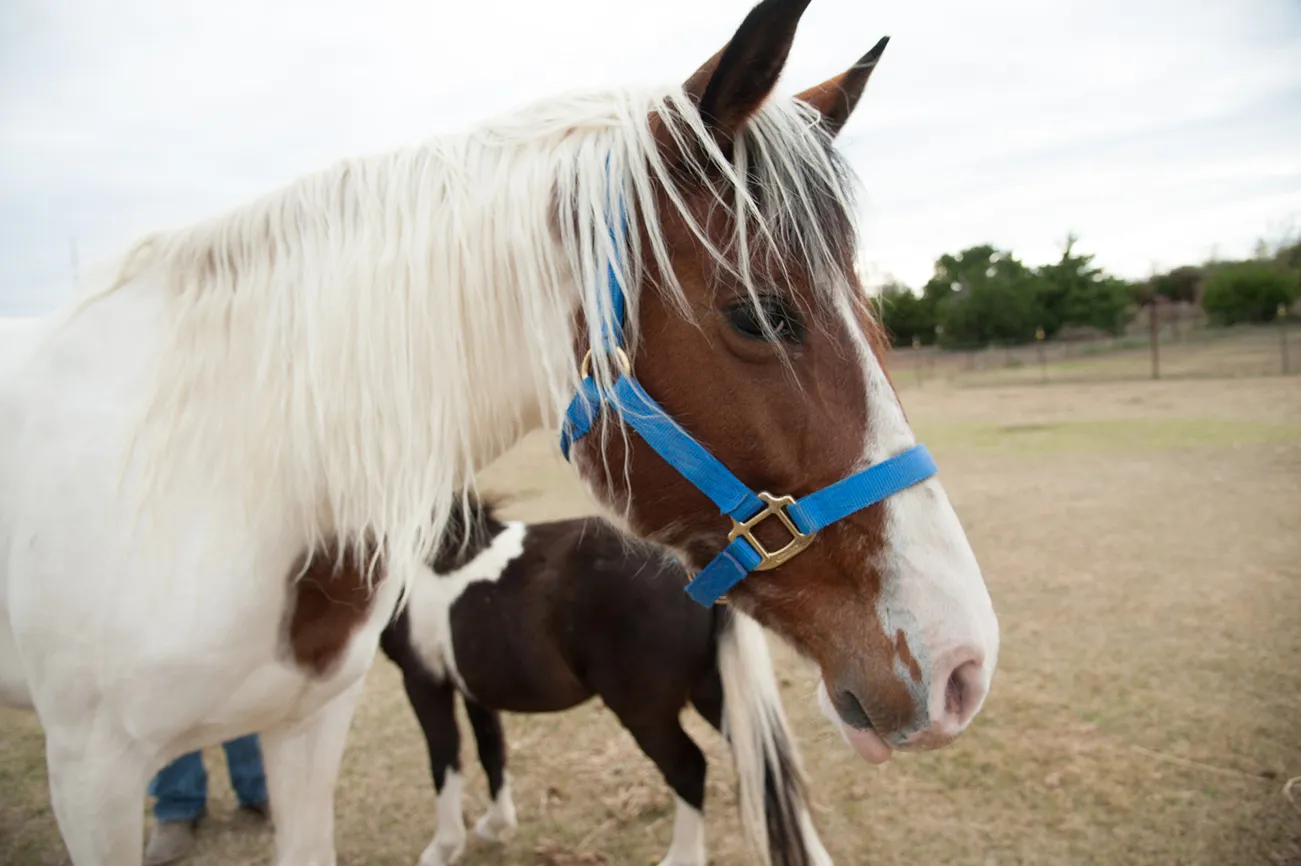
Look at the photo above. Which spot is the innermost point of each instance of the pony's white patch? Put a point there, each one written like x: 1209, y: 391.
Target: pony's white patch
x: 500, y: 819
x: 688, y: 846
x: 448, y: 843
x: 429, y: 605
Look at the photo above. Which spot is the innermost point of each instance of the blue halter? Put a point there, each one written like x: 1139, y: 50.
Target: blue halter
x: 744, y: 553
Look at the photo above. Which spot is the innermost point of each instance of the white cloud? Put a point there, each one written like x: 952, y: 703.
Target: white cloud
x: 1157, y: 131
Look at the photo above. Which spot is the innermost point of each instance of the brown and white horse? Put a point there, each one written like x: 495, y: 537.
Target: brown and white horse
x: 218, y: 465
x: 539, y: 618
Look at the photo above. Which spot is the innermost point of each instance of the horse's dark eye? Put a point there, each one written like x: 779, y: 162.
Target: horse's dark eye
x: 782, y: 316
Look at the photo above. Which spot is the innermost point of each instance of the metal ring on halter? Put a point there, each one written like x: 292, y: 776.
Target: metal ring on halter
x: 620, y: 359
x: 775, y: 506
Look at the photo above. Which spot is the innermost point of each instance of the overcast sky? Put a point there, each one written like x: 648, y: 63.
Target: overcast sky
x: 1160, y: 131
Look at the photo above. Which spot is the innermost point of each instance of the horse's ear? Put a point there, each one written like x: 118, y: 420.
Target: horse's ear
x: 730, y: 86
x: 836, y: 98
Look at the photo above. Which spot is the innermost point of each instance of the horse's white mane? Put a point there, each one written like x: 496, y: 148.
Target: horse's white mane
x: 356, y: 345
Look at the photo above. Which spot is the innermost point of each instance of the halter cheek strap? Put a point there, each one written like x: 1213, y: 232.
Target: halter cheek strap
x: 801, y: 518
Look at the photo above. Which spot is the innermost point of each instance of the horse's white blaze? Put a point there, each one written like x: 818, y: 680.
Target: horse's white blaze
x: 449, y: 837
x: 932, y: 589
x: 500, y: 818
x: 688, y: 846
x: 429, y: 605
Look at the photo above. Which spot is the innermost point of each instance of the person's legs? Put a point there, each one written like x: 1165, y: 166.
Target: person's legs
x: 181, y: 789
x: 181, y: 792
x: 247, y: 776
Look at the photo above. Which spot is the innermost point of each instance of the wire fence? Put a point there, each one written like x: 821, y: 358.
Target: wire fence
x: 1185, y: 352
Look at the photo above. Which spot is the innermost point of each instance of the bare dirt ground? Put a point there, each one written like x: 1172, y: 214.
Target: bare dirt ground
x: 1142, y: 542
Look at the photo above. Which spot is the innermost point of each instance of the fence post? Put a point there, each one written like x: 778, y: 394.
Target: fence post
x: 1156, y: 349
x: 1039, y: 348
x: 917, y: 361
x: 1282, y: 336
x: 939, y: 334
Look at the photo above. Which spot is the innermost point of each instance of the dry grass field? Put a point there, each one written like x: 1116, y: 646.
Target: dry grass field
x: 1191, y: 353
x: 1142, y: 542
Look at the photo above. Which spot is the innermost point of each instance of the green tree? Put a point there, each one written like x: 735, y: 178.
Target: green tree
x: 1182, y: 284
x: 1247, y: 291
x: 1072, y: 291
x: 984, y: 295
x: 906, y: 316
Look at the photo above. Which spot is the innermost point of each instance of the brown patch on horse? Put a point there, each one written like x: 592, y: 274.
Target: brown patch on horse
x: 329, y: 600
x: 906, y: 656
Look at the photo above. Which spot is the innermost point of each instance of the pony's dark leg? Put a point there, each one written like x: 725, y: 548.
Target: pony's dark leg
x: 500, y: 817
x: 435, y: 706
x: 707, y: 697
x: 683, y: 766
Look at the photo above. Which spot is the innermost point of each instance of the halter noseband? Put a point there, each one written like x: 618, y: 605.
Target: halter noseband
x: 802, y: 518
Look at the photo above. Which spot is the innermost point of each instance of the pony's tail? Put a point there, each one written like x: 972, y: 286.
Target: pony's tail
x: 773, y: 793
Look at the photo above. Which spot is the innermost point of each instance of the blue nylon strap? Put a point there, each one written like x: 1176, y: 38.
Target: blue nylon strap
x: 670, y: 441
x: 862, y: 489
x: 608, y: 339
x: 616, y: 301
x: 580, y: 415
x: 817, y: 511
x: 682, y: 452
x: 711, y: 477
x: 723, y: 572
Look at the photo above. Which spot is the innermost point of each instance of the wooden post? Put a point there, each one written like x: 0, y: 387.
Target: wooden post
x: 1282, y: 336
x: 1039, y: 346
x: 917, y: 362
x: 1156, y: 348
x: 939, y: 333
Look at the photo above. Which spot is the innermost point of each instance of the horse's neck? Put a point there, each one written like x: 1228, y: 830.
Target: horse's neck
x: 361, y: 344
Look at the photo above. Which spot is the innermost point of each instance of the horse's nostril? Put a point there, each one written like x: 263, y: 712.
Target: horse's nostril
x: 851, y: 710
x: 962, y: 693
x: 953, y: 695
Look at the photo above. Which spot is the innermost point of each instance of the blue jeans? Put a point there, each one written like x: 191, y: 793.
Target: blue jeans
x: 182, y: 786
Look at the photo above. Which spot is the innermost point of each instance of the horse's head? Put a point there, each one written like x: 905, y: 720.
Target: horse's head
x: 748, y: 325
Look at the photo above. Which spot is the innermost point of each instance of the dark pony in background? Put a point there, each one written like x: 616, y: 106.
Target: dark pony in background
x: 543, y: 617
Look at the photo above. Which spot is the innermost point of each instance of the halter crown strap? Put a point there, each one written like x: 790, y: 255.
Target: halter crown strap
x: 744, y: 553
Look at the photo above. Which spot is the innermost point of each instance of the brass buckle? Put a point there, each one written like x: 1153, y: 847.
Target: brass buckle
x: 620, y: 359
x: 774, y: 506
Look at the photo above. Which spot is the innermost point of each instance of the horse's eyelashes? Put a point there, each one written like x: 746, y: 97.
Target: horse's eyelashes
x: 784, y: 320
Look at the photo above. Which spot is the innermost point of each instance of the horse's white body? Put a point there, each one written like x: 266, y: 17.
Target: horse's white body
x: 330, y: 360
x: 133, y: 657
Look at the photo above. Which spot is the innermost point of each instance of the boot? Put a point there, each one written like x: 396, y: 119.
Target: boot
x: 171, y: 840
